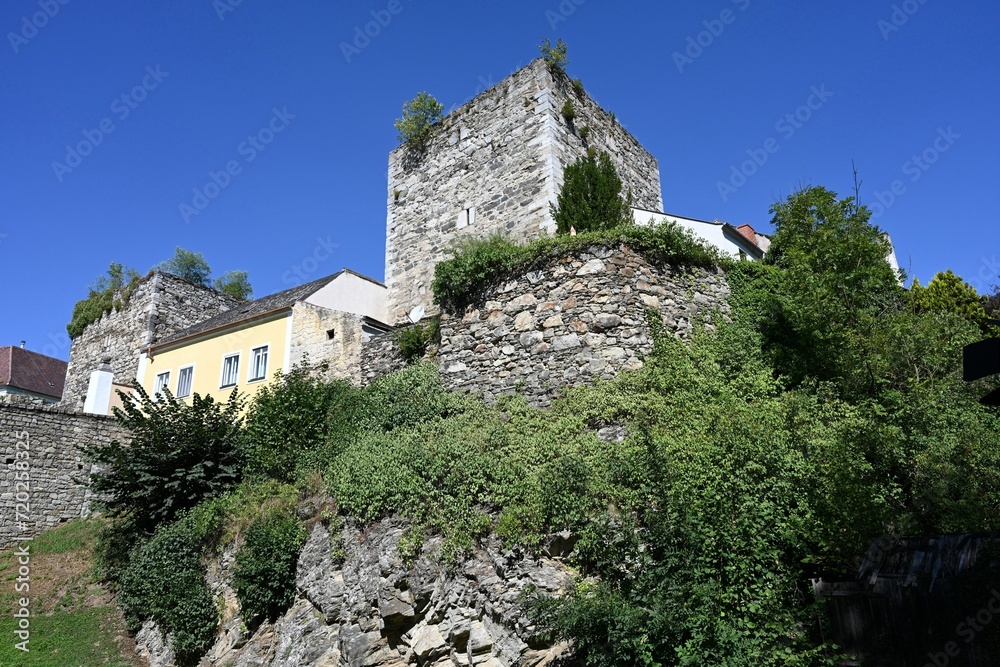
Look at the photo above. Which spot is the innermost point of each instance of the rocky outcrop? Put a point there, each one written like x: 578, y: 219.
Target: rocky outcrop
x: 372, y: 609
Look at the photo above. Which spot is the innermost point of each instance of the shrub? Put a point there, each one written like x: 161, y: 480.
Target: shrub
x: 286, y: 422
x: 236, y: 284
x: 107, y: 294
x: 413, y: 341
x: 591, y: 197
x: 178, y: 455
x: 165, y: 583
x: 187, y: 264
x: 419, y: 116
x: 264, y: 578
x: 478, y: 263
x: 554, y: 55
x: 568, y: 112
x: 578, y: 87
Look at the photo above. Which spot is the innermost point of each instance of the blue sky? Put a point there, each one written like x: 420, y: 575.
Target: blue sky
x: 741, y: 101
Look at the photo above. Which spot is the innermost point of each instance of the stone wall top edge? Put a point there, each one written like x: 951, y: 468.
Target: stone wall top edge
x: 548, y: 262
x: 447, y: 120
x: 52, y: 408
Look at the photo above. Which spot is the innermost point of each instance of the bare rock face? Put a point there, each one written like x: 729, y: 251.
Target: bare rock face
x: 373, y: 610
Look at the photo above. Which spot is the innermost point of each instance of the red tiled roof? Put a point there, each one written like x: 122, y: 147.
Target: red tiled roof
x: 30, y: 371
x: 748, y: 233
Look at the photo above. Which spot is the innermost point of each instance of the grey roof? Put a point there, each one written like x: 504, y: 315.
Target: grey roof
x: 258, y: 307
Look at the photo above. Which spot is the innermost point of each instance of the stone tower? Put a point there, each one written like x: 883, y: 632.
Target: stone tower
x: 495, y: 164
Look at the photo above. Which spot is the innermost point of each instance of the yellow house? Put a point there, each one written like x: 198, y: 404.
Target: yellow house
x: 325, y: 320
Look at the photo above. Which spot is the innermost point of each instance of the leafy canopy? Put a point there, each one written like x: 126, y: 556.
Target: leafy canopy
x: 419, y: 115
x: 947, y: 293
x: 191, y: 266
x: 234, y: 283
x: 178, y: 454
x: 591, y: 197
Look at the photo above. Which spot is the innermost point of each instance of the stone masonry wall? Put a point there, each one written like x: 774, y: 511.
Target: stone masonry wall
x: 310, y: 327
x: 38, y: 444
x: 380, y: 356
x: 160, y: 306
x: 500, y: 156
x: 580, y: 319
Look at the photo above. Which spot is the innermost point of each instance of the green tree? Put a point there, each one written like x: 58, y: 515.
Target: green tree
x: 191, y: 266
x: 948, y: 293
x: 107, y: 294
x: 591, y: 197
x: 835, y: 285
x: 419, y: 115
x: 992, y: 303
x: 177, y: 455
x: 234, y: 283
x: 554, y: 55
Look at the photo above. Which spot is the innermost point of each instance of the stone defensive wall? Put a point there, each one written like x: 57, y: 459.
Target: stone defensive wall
x: 42, y: 468
x: 578, y: 319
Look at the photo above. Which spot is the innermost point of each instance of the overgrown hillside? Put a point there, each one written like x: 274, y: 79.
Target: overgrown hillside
x: 830, y: 411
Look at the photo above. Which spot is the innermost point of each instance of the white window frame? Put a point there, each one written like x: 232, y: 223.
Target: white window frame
x: 180, y: 375
x: 158, y: 386
x: 222, y: 371
x: 250, y: 366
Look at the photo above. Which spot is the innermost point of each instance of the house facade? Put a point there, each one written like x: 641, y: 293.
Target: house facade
x: 324, y: 321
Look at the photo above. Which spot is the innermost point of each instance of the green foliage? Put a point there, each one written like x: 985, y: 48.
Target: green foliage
x: 836, y: 288
x: 286, y: 422
x: 419, y: 115
x: 478, y: 263
x: 554, y: 55
x: 236, y: 284
x: 165, y: 582
x: 591, y: 197
x: 191, y: 266
x: 108, y: 294
x: 577, y: 87
x: 413, y: 341
x: 947, y: 293
x: 568, y: 111
x: 264, y: 578
x: 178, y: 455
x: 992, y: 303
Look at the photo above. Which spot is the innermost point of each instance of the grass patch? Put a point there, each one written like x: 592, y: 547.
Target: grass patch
x: 73, y: 621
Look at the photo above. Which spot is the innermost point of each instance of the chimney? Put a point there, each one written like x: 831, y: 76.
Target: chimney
x: 22, y: 344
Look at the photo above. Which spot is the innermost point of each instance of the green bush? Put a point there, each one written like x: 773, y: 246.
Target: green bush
x: 568, y: 111
x: 591, y: 197
x: 178, y: 454
x: 413, y: 341
x: 554, y: 55
x: 264, y: 578
x: 107, y: 294
x: 286, y: 422
x: 419, y: 115
x: 477, y: 264
x: 165, y: 583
